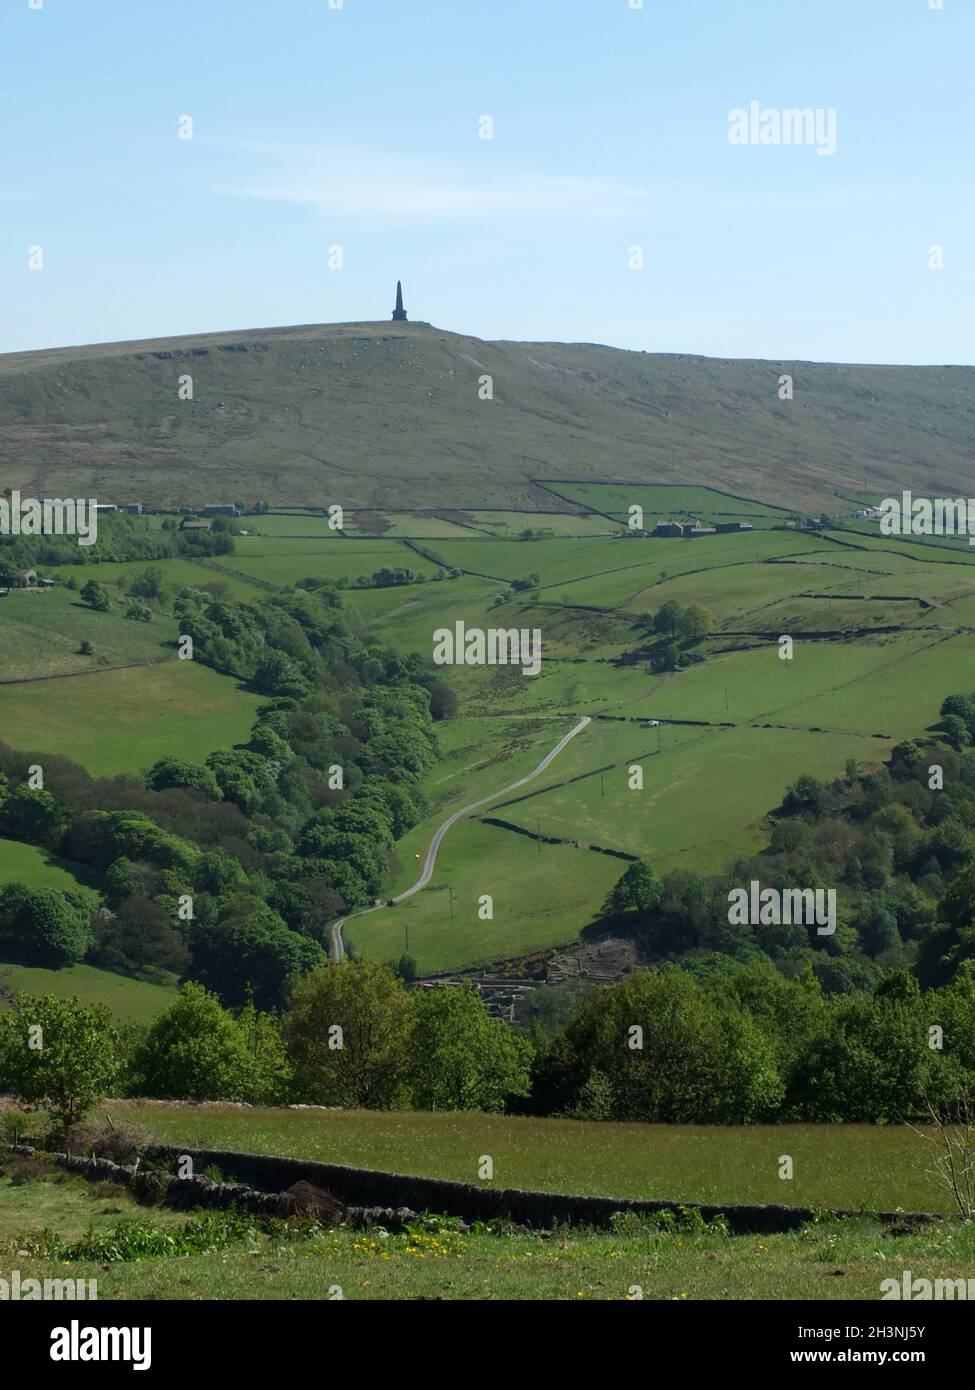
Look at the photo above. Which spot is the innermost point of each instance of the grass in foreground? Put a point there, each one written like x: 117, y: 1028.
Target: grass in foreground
x: 97, y: 1232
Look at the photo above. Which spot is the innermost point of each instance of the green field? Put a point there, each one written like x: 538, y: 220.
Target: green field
x: 707, y: 788
x: 433, y: 1259
x: 124, y: 721
x: 661, y: 503
x: 541, y: 899
x: 284, y: 560
x: 41, y: 632
x: 856, y: 1167
x: 178, y: 573
x: 126, y: 998
x: 37, y: 868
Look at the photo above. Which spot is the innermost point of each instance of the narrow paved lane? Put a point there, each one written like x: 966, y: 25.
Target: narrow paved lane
x: 337, y: 949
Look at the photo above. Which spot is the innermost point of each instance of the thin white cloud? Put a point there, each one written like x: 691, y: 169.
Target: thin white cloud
x: 375, y: 190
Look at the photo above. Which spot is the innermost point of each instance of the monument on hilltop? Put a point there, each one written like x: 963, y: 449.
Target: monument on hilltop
x: 399, y: 313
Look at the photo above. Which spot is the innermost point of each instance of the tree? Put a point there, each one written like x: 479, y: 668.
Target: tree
x: 33, y: 815
x: 871, y: 1061
x: 141, y: 938
x: 443, y: 700
x: 278, y: 674
x: 149, y: 584
x: 696, y: 1059
x: 956, y: 731
x: 459, y: 1059
x: 58, y: 1054
x: 95, y: 596
x: 346, y: 1034
x: 251, y: 956
x: 696, y: 621
x: 196, y: 1050
x: 40, y: 926
x: 805, y: 794
x: 639, y: 890
x: 667, y: 620
x: 177, y: 772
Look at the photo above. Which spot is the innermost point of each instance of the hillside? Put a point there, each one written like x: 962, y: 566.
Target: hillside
x: 382, y: 415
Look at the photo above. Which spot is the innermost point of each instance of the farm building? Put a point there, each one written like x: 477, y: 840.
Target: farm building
x: 193, y: 523
x: 733, y: 526
x: 220, y: 509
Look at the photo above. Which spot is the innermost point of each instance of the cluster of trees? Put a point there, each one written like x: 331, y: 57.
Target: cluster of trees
x: 388, y: 577
x: 724, y: 1043
x: 230, y: 872
x: 352, y: 1036
x: 527, y: 587
x: 120, y: 537
x: 675, y: 626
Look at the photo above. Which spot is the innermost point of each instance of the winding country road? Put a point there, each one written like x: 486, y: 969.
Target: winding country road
x: 337, y: 948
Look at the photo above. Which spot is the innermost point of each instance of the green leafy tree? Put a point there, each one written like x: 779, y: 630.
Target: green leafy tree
x: 639, y: 890
x: 460, y: 1059
x: 58, y: 1055
x: 149, y: 584
x: 40, y: 926
x: 177, y: 772
x: 250, y: 955
x: 346, y: 1033
x: 33, y: 815
x: 693, y: 1058
x: 196, y: 1050
x: 95, y: 595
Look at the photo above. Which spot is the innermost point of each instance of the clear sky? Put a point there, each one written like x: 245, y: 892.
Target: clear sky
x: 358, y: 127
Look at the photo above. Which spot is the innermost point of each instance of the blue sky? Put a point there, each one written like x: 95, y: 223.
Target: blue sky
x: 358, y: 126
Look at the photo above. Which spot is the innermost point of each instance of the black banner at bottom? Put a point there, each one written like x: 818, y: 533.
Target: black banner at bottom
x: 255, y: 1338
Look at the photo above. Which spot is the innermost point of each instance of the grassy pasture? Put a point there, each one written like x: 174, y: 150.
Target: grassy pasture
x: 36, y: 867
x: 847, y: 1166
x: 283, y: 560
x: 574, y: 1267
x: 509, y: 525
x: 541, y: 898
x: 754, y: 683
x: 124, y: 721
x: 178, y: 573
x: 902, y: 698
x: 660, y: 501
x: 124, y: 997
x: 41, y: 632
x: 414, y: 525
x: 431, y: 1262
x: 704, y: 798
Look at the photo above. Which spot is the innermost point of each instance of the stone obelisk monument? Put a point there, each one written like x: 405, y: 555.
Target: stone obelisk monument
x: 399, y: 313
